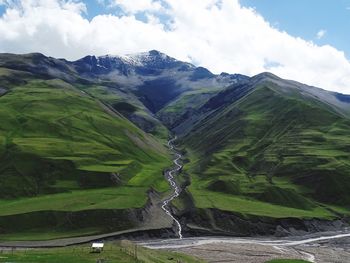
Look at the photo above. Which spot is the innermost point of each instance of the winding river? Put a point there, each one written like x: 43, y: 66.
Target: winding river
x: 170, y: 177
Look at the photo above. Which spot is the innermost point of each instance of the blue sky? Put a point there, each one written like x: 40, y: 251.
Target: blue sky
x: 2, y: 9
x: 304, y: 18
x: 304, y: 40
x: 95, y: 7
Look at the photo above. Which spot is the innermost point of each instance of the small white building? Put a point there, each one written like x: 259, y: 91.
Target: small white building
x: 97, y: 247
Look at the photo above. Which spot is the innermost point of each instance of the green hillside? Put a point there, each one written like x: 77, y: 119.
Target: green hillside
x: 56, y: 142
x: 172, y: 114
x: 271, y: 153
x: 129, y: 106
x: 49, y: 124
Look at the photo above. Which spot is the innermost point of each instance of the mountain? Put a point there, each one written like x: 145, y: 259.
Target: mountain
x: 134, y: 82
x: 83, y: 148
x: 153, y: 77
x: 67, y: 153
x: 271, y: 141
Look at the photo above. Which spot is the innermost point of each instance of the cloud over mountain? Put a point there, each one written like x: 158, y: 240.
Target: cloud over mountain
x: 221, y: 35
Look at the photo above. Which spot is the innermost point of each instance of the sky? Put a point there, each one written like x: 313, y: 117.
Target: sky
x: 321, y: 21
x: 296, y: 39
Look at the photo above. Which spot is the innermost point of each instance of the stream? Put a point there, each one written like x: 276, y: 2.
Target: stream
x: 170, y: 178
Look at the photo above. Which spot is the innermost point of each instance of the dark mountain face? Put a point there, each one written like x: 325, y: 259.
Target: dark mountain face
x: 154, y: 94
x: 155, y: 78
x: 147, y: 64
x: 201, y: 73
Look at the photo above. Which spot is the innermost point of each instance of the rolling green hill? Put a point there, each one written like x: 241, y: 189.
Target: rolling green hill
x: 274, y: 146
x: 62, y: 149
x: 181, y: 108
x: 54, y: 137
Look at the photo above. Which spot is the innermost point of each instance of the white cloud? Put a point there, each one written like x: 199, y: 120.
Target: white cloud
x: 321, y: 33
x: 219, y: 35
x: 134, y: 6
x: 6, y: 2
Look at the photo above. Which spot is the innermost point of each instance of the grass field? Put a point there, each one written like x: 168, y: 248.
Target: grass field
x: 250, y: 206
x: 121, y: 252
x: 43, y: 234
x: 106, y: 198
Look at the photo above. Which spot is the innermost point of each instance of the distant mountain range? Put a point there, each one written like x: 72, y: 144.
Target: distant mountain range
x: 255, y: 147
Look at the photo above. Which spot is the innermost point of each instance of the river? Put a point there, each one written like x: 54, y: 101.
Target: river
x: 170, y: 176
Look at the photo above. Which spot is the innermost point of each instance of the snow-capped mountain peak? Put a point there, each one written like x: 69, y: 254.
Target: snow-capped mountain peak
x: 150, y: 62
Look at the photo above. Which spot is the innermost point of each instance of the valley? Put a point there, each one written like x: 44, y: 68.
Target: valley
x: 86, y: 154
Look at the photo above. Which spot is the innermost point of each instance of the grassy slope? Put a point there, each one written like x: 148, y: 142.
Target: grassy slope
x: 128, y: 105
x: 172, y: 113
x: 284, y: 154
x: 44, y: 122
x: 76, y: 200
x: 121, y: 252
x: 59, y: 147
